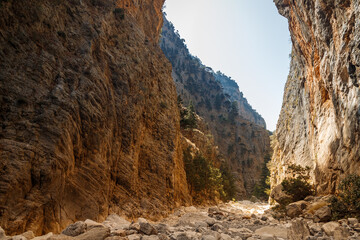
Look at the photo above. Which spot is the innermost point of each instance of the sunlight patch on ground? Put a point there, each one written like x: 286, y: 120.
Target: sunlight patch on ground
x: 250, y: 208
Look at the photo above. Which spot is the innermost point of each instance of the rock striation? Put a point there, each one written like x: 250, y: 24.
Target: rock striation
x: 88, y: 114
x: 238, y: 130
x: 319, y: 124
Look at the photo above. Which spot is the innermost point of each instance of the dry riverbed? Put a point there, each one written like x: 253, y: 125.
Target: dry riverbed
x: 234, y: 220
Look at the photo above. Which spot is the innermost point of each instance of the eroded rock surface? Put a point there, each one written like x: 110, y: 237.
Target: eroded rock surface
x: 88, y: 113
x: 319, y: 124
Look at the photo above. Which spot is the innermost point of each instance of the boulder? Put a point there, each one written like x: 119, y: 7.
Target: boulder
x: 322, y: 214
x: 96, y: 233
x: 224, y: 236
x: 299, y: 230
x: 92, y: 224
x: 44, y: 237
x: 75, y: 229
x: 352, y: 221
x: 293, y: 210
x: 254, y: 199
x: 272, y: 231
x: 2, y: 233
x: 162, y: 228
x: 208, y: 237
x: 29, y: 234
x: 114, y: 221
x: 240, y: 232
x: 341, y: 233
x: 152, y: 237
x: 18, y: 237
x: 134, y: 237
x: 279, y: 195
x: 135, y: 226
x: 147, y: 228
x: 329, y: 228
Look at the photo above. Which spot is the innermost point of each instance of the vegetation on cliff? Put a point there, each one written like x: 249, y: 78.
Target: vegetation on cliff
x: 346, y: 203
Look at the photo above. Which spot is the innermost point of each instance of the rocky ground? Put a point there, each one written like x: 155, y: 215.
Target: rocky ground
x: 235, y: 220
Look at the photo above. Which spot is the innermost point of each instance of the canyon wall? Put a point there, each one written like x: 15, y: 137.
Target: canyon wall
x: 319, y: 124
x: 88, y: 111
x: 238, y: 130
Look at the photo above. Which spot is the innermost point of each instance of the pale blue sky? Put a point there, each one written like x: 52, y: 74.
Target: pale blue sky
x: 245, y: 39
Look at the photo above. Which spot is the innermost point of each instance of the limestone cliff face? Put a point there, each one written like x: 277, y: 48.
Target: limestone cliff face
x: 88, y: 114
x: 231, y: 88
x: 319, y: 124
x: 241, y: 141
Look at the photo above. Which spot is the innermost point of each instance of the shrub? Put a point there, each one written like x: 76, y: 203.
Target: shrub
x: 297, y: 188
x: 347, y: 202
x: 204, y: 178
x: 188, y: 117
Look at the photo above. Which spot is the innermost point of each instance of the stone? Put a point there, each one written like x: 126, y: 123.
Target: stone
x: 271, y: 231
x: 254, y: 199
x: 60, y: 237
x: 216, y: 227
x: 299, y: 230
x: 95, y: 233
x: 208, y: 237
x: 2, y: 233
x: 224, y: 236
x: 293, y: 210
x: 323, y: 214
x: 147, y: 228
x: 29, y: 234
x: 341, y: 233
x: 116, y: 238
x: 162, y: 228
x: 18, y: 237
x: 92, y: 224
x: 75, y: 229
x: 44, y: 237
x: 135, y: 226
x: 114, y: 221
x: 264, y: 218
x: 134, y: 237
x: 314, y: 228
x: 240, y: 232
x: 352, y: 221
x: 278, y: 194
x: 119, y: 232
x: 163, y: 237
x: 329, y: 228
x: 153, y: 237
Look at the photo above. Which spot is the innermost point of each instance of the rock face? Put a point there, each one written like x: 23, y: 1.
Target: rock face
x: 319, y: 124
x: 237, y: 129
x: 88, y: 113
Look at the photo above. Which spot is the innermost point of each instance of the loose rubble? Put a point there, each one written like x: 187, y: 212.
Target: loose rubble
x: 234, y: 220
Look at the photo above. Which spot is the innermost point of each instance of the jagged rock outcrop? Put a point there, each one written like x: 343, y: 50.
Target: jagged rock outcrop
x: 231, y: 88
x: 319, y: 124
x: 231, y: 120
x: 88, y: 113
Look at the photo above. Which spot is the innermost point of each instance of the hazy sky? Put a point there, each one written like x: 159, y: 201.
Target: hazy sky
x: 245, y: 39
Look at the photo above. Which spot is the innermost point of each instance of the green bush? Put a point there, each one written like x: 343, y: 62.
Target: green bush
x: 188, y: 117
x: 347, y: 202
x: 297, y: 186
x: 204, y: 178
